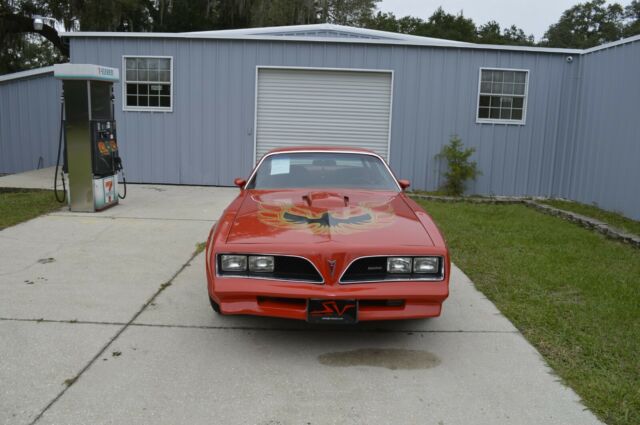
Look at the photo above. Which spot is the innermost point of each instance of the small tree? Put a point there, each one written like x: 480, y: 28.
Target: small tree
x: 459, y: 168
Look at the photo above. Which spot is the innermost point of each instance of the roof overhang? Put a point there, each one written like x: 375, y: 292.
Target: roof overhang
x: 293, y: 33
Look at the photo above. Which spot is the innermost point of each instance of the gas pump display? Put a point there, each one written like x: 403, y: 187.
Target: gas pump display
x: 91, y: 156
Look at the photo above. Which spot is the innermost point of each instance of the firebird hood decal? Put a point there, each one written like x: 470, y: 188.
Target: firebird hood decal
x: 348, y: 220
x: 345, y: 218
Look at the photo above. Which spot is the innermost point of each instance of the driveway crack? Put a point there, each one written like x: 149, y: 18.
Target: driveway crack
x: 74, y: 380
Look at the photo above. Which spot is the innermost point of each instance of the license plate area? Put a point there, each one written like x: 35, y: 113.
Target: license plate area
x: 332, y: 311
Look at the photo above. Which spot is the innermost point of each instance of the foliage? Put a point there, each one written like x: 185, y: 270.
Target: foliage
x: 586, y: 25
x: 459, y: 168
x: 17, y: 205
x: 448, y: 26
x: 583, y: 25
x: 581, y: 314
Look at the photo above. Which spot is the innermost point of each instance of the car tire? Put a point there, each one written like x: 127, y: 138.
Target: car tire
x: 215, y: 306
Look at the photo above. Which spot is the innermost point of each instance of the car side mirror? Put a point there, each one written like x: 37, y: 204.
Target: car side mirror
x: 404, y: 184
x: 240, y: 182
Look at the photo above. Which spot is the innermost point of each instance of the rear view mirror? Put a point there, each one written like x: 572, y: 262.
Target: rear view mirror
x: 240, y: 182
x: 404, y: 183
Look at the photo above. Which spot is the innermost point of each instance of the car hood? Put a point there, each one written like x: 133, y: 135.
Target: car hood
x: 315, y: 216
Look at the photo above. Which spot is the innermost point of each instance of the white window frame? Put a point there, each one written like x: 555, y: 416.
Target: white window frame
x: 522, y: 121
x: 124, y: 85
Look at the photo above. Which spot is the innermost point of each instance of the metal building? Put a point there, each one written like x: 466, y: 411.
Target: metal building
x: 199, y: 108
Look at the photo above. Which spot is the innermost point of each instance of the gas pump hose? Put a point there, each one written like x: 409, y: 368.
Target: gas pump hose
x: 55, y: 175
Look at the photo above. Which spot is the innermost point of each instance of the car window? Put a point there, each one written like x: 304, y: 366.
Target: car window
x: 322, y: 169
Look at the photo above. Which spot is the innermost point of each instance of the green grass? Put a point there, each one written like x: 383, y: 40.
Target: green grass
x: 18, y: 205
x: 574, y: 294
x: 611, y: 218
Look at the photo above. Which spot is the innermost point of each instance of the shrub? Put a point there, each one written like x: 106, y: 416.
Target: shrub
x: 459, y: 168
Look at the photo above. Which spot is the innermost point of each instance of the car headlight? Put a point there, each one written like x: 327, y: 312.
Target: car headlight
x: 233, y: 263
x: 426, y: 265
x: 399, y: 265
x: 261, y: 263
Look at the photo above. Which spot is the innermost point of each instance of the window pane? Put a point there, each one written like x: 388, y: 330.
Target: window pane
x: 520, y: 77
x: 519, y: 89
x: 496, y: 88
x: 508, y: 76
x: 516, y: 114
x: 505, y: 114
x: 164, y: 63
x: 142, y: 63
x: 484, y: 113
x: 485, y: 87
x: 498, y: 76
x: 495, y: 101
x: 154, y: 91
x: 507, y: 88
x: 495, y: 113
x: 506, y: 102
x: 485, y: 100
x: 163, y: 76
x: 517, y: 102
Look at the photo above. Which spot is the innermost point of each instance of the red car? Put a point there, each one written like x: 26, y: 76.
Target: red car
x: 326, y: 235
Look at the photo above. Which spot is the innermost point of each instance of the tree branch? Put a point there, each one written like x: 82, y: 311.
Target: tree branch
x: 16, y: 24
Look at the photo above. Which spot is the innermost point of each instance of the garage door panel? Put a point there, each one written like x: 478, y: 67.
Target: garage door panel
x: 317, y: 107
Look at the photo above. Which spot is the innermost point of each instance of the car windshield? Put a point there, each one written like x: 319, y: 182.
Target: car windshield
x: 322, y: 169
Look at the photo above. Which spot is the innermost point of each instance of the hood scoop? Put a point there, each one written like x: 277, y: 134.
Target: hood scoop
x: 325, y: 200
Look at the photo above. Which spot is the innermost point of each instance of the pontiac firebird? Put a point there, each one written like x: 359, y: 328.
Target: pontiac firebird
x: 326, y: 235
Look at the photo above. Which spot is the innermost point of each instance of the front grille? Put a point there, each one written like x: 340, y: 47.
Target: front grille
x: 295, y: 268
x: 374, y: 269
x: 285, y: 268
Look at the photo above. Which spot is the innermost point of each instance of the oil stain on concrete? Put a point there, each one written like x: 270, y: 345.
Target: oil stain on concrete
x: 389, y: 358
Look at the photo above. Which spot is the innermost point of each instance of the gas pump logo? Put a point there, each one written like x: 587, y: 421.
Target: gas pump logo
x: 103, y: 148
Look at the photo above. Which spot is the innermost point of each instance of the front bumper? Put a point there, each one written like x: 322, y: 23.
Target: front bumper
x: 406, y: 300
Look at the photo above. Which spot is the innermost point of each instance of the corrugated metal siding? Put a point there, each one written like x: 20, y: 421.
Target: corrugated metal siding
x: 332, y: 108
x: 606, y: 162
x: 208, y: 139
x: 29, y: 123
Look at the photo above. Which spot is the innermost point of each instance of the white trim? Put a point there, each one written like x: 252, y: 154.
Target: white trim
x: 612, y: 44
x: 26, y: 74
x: 267, y: 33
x: 525, y: 97
x: 319, y: 68
x: 311, y: 150
x: 124, y: 86
x: 390, y: 119
x: 270, y: 34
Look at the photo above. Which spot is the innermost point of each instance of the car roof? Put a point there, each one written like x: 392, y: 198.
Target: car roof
x: 337, y: 149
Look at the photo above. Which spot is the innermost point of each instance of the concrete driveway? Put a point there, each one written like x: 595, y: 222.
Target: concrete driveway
x: 104, y: 318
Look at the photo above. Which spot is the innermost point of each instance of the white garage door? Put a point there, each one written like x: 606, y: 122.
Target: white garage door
x: 298, y: 107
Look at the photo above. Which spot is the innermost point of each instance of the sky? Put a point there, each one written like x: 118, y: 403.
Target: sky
x: 533, y: 16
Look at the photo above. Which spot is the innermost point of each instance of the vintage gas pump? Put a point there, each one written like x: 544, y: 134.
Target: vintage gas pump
x: 91, y: 157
